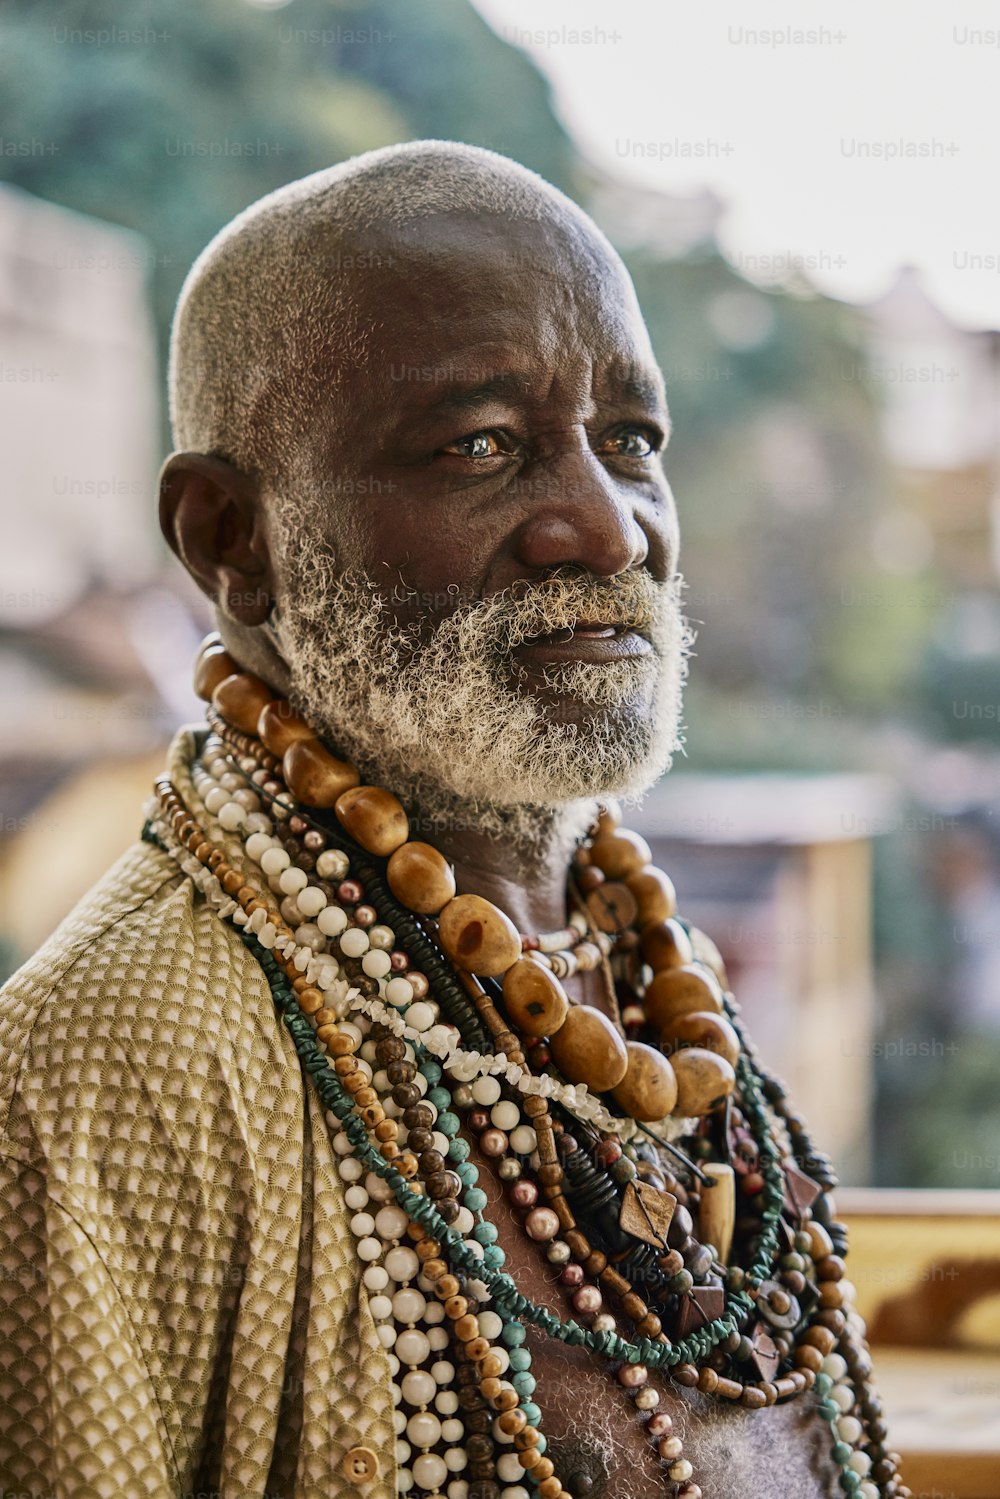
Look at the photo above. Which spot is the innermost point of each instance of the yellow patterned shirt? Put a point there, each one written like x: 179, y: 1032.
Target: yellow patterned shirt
x: 180, y: 1307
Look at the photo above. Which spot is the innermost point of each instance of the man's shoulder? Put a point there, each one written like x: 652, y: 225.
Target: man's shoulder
x: 142, y: 969
x: 138, y: 882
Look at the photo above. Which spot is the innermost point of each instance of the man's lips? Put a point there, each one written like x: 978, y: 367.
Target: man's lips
x: 587, y: 640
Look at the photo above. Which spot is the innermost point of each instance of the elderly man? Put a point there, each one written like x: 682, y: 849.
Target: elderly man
x: 377, y: 1126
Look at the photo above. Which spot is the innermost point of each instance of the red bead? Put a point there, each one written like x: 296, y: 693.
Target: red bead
x: 752, y: 1183
x: 607, y: 1153
x: 524, y: 1194
x: 297, y: 825
x: 478, y: 1120
x: 350, y: 892
x: 571, y: 1275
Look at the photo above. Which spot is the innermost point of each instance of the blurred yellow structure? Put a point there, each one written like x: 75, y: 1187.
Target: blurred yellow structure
x: 926, y: 1267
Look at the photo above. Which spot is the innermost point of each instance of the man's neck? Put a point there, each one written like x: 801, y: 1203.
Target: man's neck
x: 529, y: 885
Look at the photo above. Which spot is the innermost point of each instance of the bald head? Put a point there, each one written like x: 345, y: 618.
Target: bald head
x: 271, y: 322
x: 423, y: 421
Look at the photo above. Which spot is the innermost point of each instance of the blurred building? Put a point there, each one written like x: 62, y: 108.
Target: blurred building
x: 939, y: 386
x: 89, y: 639
x: 777, y: 870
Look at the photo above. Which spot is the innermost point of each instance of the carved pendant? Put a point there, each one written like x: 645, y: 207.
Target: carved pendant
x: 701, y: 1304
x: 764, y: 1354
x: 800, y: 1191
x: 646, y: 1213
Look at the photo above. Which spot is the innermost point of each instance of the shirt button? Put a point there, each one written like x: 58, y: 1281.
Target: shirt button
x: 360, y: 1465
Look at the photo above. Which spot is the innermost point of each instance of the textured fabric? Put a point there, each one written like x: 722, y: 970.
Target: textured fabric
x: 180, y: 1308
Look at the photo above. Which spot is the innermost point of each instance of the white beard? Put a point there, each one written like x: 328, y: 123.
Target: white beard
x: 434, y: 710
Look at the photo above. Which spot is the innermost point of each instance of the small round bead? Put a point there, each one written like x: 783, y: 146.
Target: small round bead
x: 486, y: 1091
x: 493, y: 1143
x: 430, y: 1471
x: 274, y: 861
x: 333, y: 864
x: 398, y: 991
x: 587, y: 1299
x: 505, y: 1115
x: 332, y: 920
x: 311, y: 900
x: 541, y: 1224
x: 354, y: 942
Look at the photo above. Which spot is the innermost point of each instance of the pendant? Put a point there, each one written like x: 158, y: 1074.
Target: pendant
x: 701, y: 1305
x: 764, y: 1352
x: 646, y: 1213
x: 800, y: 1190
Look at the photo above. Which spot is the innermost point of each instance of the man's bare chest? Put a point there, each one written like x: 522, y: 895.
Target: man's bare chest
x: 602, y: 1446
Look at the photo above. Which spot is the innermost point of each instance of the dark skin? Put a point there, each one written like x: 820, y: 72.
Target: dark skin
x: 531, y: 444
x: 543, y: 353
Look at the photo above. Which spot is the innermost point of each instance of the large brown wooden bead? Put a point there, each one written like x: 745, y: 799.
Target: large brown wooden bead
x: 315, y: 776
x: 241, y: 698
x: 534, y: 999
x: 704, y: 1081
x: 478, y: 936
x: 648, y: 1091
x: 677, y: 991
x: 374, y: 818
x: 620, y: 853
x: 213, y: 666
x: 279, y: 727
x: 610, y: 816
x: 587, y: 1049
x: 701, y: 1028
x: 665, y: 944
x: 654, y: 893
x: 612, y: 906
x: 420, y: 877
x: 706, y: 952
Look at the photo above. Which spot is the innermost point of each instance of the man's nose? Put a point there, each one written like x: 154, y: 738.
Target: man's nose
x: 577, y: 514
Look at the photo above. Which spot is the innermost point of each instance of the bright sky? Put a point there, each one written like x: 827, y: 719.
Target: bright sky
x: 857, y: 136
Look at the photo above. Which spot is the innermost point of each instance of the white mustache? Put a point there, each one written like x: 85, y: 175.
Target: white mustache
x: 526, y: 611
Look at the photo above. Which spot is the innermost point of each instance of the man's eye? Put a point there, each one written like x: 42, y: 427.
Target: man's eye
x: 630, y: 442
x: 476, y: 445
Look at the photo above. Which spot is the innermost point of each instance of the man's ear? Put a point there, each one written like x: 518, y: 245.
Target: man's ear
x: 210, y: 514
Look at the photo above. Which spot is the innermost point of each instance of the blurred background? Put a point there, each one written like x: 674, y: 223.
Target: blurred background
x: 816, y: 269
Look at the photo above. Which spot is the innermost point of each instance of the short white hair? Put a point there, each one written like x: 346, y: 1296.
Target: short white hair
x: 270, y: 293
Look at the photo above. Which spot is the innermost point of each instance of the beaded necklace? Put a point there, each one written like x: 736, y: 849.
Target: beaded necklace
x: 390, y: 985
